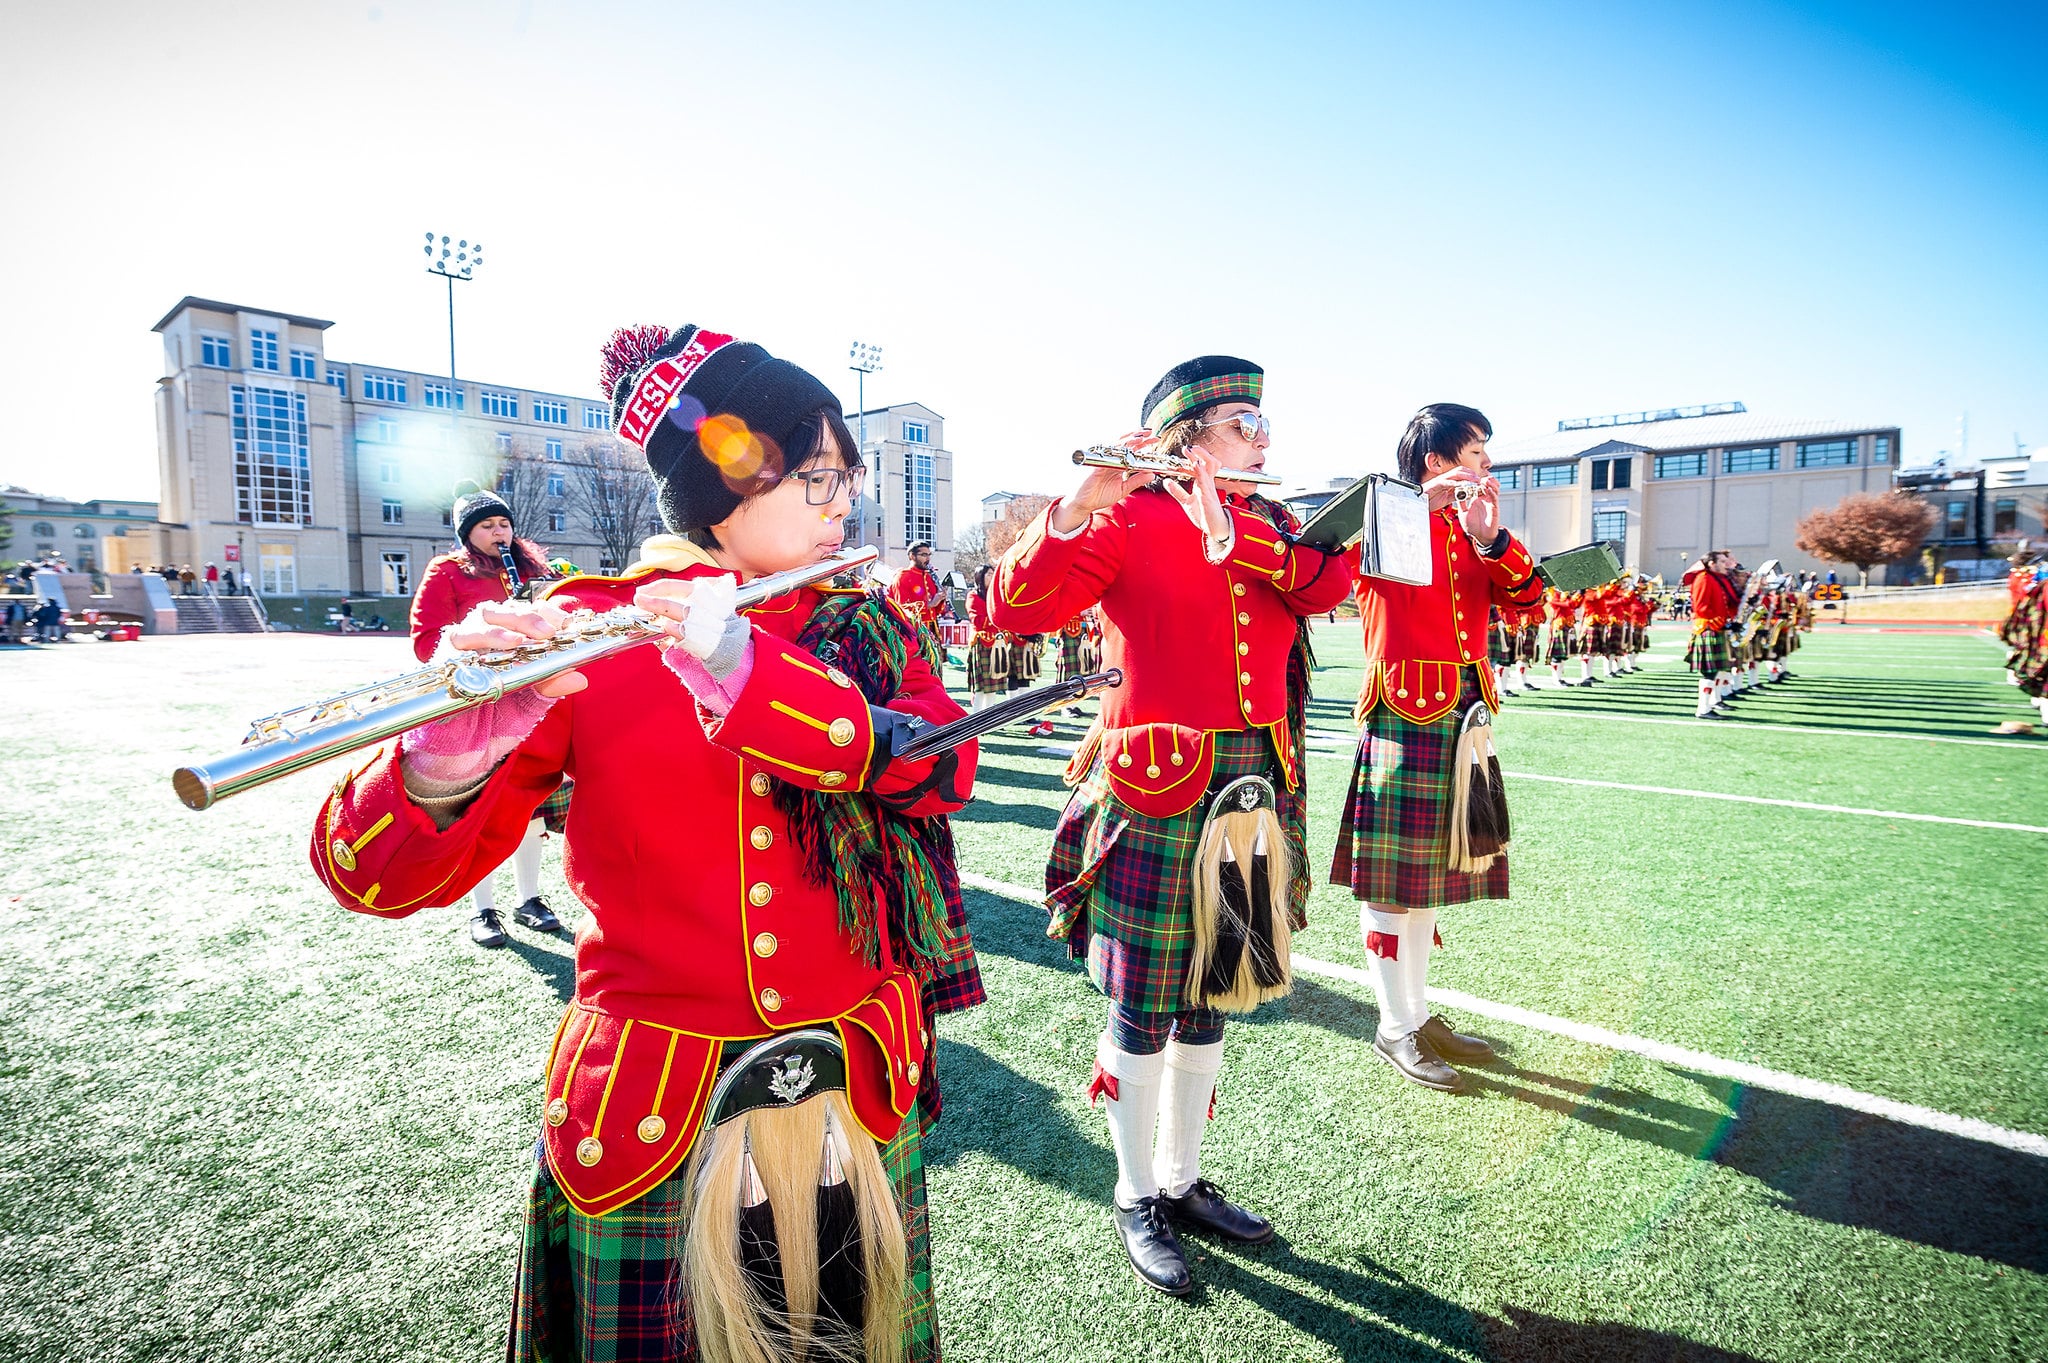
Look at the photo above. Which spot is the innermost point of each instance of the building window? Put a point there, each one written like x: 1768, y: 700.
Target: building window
x: 607, y: 566
x: 305, y: 364
x: 1689, y: 465
x: 1557, y: 475
x: 387, y: 431
x: 1610, y: 525
x: 1624, y: 472
x: 81, y: 532
x: 597, y: 419
x: 497, y: 404
x: 558, y: 521
x: 394, y: 511
x: 1880, y: 449
x: 338, y: 378
x: 388, y: 472
x: 1509, y: 480
x: 554, y: 411
x: 916, y: 433
x: 216, y: 352
x: 555, y: 451
x: 448, y: 516
x: 1751, y: 459
x: 446, y: 396
x: 504, y: 442
x: 43, y: 529
x: 277, y: 570
x: 397, y: 572
x: 2005, y: 515
x: 1826, y: 454
x: 1957, y: 521
x: 1599, y: 475
x: 919, y: 522
x: 273, y: 474
x: 383, y: 388
x: 505, y: 482
x: 557, y: 485
x: 263, y: 351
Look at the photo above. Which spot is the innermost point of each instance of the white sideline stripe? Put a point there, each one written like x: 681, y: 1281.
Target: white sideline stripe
x: 1768, y: 800
x: 1732, y: 725
x: 1754, y: 1076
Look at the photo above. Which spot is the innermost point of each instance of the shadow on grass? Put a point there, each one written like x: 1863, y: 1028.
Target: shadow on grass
x: 1018, y: 1121
x: 984, y: 810
x: 557, y: 970
x: 991, y: 775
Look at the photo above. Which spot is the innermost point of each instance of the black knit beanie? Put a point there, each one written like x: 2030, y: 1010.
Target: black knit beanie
x: 473, y: 504
x: 713, y: 416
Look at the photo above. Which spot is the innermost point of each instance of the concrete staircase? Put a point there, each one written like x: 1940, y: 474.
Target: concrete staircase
x: 219, y: 615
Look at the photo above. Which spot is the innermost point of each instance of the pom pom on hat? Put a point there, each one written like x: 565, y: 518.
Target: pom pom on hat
x: 627, y: 352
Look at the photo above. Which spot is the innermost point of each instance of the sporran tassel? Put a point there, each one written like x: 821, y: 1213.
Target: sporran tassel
x: 1479, y: 805
x: 1242, y: 932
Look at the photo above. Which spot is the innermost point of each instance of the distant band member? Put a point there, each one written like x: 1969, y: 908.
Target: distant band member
x: 917, y: 588
x: 1715, y: 599
x: 988, y: 654
x: 1426, y: 825
x: 1177, y: 866
x: 455, y: 583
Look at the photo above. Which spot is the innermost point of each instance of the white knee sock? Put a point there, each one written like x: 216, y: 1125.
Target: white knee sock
x: 1707, y: 699
x: 526, y: 862
x: 481, y: 898
x: 1386, y: 949
x: 1189, y: 1084
x: 1133, y: 1117
x: 1415, y: 948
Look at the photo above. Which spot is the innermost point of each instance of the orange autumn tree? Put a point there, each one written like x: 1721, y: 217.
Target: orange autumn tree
x: 1866, y: 529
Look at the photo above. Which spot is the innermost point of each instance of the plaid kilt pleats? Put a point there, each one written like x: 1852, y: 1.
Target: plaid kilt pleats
x: 608, y: 1289
x: 1708, y: 652
x: 1563, y: 642
x: 1120, y: 885
x: 554, y: 811
x: 1070, y: 659
x: 980, y: 664
x: 1394, y: 847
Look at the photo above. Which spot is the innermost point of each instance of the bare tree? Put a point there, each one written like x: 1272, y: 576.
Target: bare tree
x: 522, y: 483
x: 1867, y: 529
x: 612, y: 492
x: 970, y: 550
x: 1001, y: 534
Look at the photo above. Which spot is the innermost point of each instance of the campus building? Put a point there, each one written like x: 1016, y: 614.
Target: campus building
x: 1666, y: 486
x: 103, y: 535
x: 910, y: 483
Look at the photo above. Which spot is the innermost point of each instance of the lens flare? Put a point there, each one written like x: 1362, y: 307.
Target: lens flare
x: 743, y: 456
x: 686, y: 412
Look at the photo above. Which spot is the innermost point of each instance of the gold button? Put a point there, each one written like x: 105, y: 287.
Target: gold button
x: 1123, y: 759
x: 589, y: 1150
x: 838, y: 678
x: 758, y: 783
x: 1247, y: 706
x: 1244, y: 679
x: 913, y: 1072
x: 652, y: 1128
x: 1244, y: 617
x: 771, y: 1000
x: 758, y: 893
x: 344, y: 855
x: 841, y: 732
x: 558, y: 1111
x: 764, y: 944
x: 1402, y: 693
x: 1153, y: 771
x: 832, y: 778
x: 1178, y: 759
x: 1237, y: 587
x: 761, y: 838
x: 1439, y: 695
x: 1279, y: 547
x: 1243, y: 649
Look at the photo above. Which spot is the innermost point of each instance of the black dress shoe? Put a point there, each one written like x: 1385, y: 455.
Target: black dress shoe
x: 1455, y: 1047
x: 1155, y: 1250
x: 1412, y: 1056
x: 536, y: 914
x: 1204, y: 1207
x: 485, y: 929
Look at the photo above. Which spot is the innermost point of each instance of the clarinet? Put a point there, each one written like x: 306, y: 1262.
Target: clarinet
x: 511, y: 562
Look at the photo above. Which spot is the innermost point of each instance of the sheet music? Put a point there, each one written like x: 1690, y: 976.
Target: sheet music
x: 1400, y: 535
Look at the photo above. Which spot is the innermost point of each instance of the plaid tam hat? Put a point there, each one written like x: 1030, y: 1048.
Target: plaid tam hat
x: 1199, y: 383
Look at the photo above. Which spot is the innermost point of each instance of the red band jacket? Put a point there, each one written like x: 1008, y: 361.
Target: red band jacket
x: 448, y: 592
x: 1714, y: 599
x: 917, y: 591
x: 704, y: 926
x: 1203, y: 646
x: 1417, y: 638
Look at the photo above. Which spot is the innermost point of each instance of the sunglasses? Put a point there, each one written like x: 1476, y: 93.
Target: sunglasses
x: 821, y: 486
x: 1250, y: 425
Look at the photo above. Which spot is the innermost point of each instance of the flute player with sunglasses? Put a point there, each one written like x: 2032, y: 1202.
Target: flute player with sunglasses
x: 1177, y: 867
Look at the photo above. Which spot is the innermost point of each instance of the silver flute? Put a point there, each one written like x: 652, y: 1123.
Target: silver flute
x: 292, y: 740
x: 1167, y: 466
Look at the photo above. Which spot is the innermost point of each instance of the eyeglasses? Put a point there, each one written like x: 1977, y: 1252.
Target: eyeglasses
x: 821, y: 486
x: 1250, y: 425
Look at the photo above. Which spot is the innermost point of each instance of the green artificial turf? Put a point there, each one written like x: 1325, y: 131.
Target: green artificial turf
x: 245, y: 1124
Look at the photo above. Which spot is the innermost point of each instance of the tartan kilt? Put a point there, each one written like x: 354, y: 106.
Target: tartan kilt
x: 554, y: 811
x: 1707, y: 654
x: 606, y: 1289
x: 980, y: 658
x: 1500, y: 646
x: 1563, y: 642
x: 1394, y: 847
x: 1528, y: 645
x: 1070, y: 659
x: 1027, y: 661
x: 1120, y: 885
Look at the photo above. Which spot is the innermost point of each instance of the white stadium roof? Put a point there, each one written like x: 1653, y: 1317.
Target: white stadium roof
x: 1685, y: 433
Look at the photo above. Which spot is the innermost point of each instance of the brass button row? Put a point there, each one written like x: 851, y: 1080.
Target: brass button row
x: 758, y: 783
x: 762, y: 838
x: 840, y: 731
x: 759, y: 893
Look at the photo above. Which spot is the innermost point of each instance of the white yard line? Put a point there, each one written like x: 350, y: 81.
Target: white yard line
x: 1754, y: 1076
x: 1735, y: 725
x: 1768, y: 800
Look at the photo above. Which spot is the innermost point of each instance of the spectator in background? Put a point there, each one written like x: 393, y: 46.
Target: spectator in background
x: 14, y: 622
x: 186, y: 579
x: 212, y: 580
x: 227, y: 578
x: 50, y: 623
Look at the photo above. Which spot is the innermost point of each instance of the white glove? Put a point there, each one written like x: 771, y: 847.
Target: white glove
x: 710, y: 609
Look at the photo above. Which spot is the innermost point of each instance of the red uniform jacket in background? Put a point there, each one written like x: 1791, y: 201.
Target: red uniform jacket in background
x: 1416, y: 638
x: 448, y: 592
x: 1714, y: 598
x: 703, y: 924
x: 917, y: 591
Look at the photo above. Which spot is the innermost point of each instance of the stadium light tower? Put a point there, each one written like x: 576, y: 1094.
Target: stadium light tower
x: 867, y: 359
x: 459, y: 261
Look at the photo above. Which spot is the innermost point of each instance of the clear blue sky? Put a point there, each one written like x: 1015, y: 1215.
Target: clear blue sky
x: 1543, y: 210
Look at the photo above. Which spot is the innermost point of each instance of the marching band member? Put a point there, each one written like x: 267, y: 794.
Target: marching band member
x: 1715, y: 599
x: 730, y: 1166
x: 1177, y: 866
x: 1426, y: 824
x: 1563, y: 610
x: 473, y: 573
x: 1529, y: 633
x: 917, y: 588
x: 988, y: 656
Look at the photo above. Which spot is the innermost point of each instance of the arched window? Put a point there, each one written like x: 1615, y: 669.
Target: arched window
x: 42, y: 528
x: 83, y: 532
